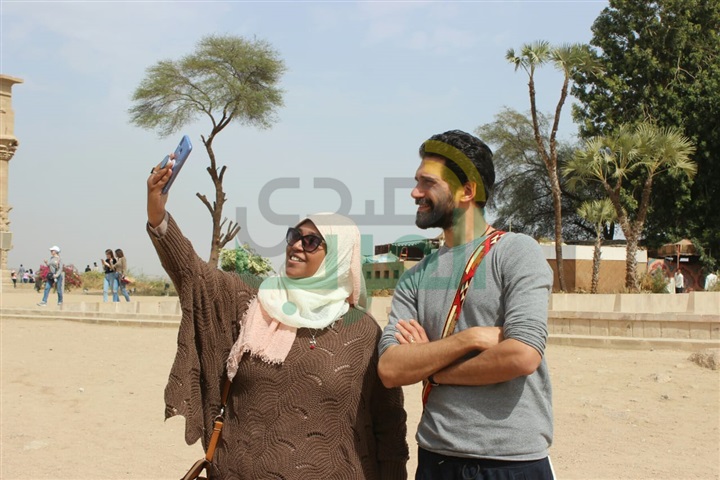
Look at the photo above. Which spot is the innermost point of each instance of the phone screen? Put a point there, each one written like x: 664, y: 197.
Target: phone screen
x: 182, y: 152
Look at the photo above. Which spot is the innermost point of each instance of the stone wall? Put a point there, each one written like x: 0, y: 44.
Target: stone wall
x: 686, y: 321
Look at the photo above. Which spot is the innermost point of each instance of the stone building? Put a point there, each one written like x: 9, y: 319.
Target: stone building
x: 8, y: 146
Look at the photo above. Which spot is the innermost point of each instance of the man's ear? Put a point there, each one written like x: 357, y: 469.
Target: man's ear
x: 467, y: 193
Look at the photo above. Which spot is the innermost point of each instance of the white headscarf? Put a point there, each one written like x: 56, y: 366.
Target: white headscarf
x: 319, y: 300
x: 284, y: 304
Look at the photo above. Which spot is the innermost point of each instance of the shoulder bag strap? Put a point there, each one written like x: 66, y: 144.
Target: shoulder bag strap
x: 456, y: 307
x: 200, y: 465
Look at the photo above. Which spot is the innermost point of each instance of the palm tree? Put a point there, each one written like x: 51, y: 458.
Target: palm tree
x: 625, y: 164
x: 567, y: 59
x: 600, y: 213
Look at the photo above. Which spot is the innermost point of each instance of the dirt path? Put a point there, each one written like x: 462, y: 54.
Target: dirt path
x: 85, y: 401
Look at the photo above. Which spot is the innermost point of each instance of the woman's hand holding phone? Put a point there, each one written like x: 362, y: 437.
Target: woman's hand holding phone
x: 156, y: 200
x: 162, y: 177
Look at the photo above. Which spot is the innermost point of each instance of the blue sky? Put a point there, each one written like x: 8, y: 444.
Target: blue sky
x: 366, y: 83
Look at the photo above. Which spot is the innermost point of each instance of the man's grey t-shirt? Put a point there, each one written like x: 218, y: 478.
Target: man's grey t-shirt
x: 505, y: 421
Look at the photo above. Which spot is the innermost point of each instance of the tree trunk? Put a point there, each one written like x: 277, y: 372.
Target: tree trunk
x: 596, y: 264
x: 631, y: 236
x: 217, y: 206
x: 609, y: 231
x: 557, y: 206
x: 215, y: 241
x: 634, y: 230
x: 551, y: 166
x: 631, y: 261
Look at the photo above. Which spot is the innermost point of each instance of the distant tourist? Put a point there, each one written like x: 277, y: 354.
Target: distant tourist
x: 110, y: 281
x: 120, y: 272
x: 55, y: 275
x: 13, y: 277
x: 710, y: 281
x: 21, y: 273
x: 679, y: 282
x: 88, y: 269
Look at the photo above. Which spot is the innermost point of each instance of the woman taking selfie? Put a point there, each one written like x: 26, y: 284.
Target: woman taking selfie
x: 305, y: 400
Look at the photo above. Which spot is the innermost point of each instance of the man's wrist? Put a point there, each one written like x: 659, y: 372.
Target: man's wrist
x: 432, y: 381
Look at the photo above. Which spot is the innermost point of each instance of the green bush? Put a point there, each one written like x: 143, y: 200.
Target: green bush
x: 143, y: 285
x: 92, y: 280
x: 152, y: 287
x: 243, y: 259
x: 654, y: 282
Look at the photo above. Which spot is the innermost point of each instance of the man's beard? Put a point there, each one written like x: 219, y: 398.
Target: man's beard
x: 440, y: 215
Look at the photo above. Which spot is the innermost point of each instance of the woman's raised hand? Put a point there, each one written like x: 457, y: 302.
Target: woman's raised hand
x: 156, y: 200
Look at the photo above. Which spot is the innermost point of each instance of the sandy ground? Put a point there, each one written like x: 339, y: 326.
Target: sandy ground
x: 85, y: 401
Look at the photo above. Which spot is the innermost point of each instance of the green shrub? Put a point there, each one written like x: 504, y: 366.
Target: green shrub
x: 654, y: 282
x: 243, y: 259
x: 143, y: 285
x: 92, y: 280
x: 152, y: 287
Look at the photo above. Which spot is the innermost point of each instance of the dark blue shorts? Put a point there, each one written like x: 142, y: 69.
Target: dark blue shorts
x: 433, y: 466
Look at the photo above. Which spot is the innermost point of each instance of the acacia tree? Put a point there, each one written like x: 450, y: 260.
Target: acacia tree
x: 661, y: 61
x: 626, y: 165
x: 226, y: 79
x: 522, y: 199
x: 601, y: 214
x: 567, y: 59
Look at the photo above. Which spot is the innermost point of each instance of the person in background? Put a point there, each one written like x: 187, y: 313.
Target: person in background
x: 55, y: 276
x: 88, y: 269
x: 21, y: 274
x: 13, y: 277
x: 110, y: 281
x: 710, y: 281
x: 679, y: 281
x: 306, y: 401
x: 120, y: 272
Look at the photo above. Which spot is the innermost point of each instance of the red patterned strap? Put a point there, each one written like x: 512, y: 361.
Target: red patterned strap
x: 456, y: 307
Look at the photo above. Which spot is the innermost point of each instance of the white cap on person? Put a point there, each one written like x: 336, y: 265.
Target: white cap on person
x: 55, y: 248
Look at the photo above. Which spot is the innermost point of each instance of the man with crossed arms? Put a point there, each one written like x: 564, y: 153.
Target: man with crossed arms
x: 489, y: 413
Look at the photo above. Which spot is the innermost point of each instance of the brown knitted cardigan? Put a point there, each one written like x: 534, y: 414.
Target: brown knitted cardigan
x: 323, y: 413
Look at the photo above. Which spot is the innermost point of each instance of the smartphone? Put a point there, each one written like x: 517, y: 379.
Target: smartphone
x: 182, y: 152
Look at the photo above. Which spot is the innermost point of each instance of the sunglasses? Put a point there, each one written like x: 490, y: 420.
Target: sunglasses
x: 310, y: 243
